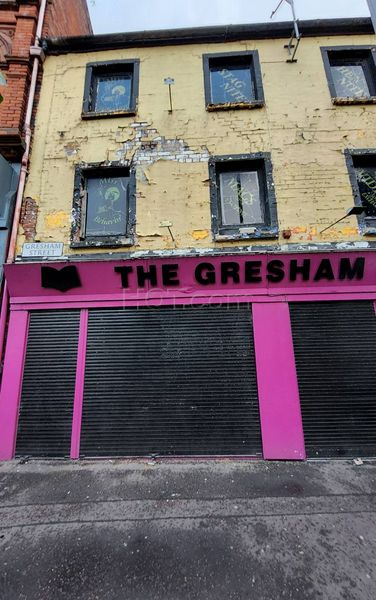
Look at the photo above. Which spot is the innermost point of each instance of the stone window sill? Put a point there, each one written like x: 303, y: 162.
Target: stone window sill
x: 349, y: 100
x: 108, y: 115
x: 368, y: 230
x: 234, y: 106
x: 103, y: 243
x: 259, y: 234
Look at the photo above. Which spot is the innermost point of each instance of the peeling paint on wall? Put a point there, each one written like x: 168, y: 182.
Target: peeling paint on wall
x: 71, y: 149
x: 304, y: 132
x: 148, y: 146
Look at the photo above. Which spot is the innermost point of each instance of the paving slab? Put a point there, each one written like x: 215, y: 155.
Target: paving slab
x: 187, y: 530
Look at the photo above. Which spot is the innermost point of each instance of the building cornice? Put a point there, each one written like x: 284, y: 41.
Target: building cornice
x: 206, y: 35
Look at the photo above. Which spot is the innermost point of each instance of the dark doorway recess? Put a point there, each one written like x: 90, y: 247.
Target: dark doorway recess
x: 335, y: 353
x: 170, y: 381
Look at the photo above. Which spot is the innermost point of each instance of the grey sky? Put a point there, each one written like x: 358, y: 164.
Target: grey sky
x: 126, y: 15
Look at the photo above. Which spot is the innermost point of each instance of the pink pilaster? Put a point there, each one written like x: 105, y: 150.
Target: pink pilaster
x: 280, y: 414
x: 79, y: 389
x: 12, y: 382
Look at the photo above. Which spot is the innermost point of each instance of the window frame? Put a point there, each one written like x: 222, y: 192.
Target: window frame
x: 92, y: 69
x: 262, y: 162
x: 251, y: 57
x: 356, y: 52
x: 79, y: 239
x: 367, y: 225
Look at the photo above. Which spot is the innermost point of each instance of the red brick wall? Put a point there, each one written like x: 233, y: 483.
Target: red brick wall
x: 67, y: 17
x: 18, y: 21
x: 21, y: 20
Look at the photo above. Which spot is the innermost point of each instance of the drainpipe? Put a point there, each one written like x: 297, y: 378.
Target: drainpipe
x: 37, y: 52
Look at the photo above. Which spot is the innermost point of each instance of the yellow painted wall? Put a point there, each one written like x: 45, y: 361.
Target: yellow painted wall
x: 304, y: 132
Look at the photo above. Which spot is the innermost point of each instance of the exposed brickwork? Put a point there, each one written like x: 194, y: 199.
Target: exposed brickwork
x: 18, y: 22
x: 148, y: 146
x: 28, y: 220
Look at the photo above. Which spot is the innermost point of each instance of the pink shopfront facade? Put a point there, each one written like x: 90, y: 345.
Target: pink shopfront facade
x: 263, y: 355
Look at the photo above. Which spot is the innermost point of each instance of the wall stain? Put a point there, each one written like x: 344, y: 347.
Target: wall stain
x: 199, y: 234
x: 57, y: 219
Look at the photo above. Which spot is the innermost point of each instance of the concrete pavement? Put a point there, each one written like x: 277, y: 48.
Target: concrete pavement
x: 178, y: 530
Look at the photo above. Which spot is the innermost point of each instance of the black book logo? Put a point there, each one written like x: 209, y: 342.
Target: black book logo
x: 63, y: 280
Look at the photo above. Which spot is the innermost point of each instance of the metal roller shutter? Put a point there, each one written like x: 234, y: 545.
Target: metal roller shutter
x: 170, y: 381
x: 45, y: 420
x: 335, y: 353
